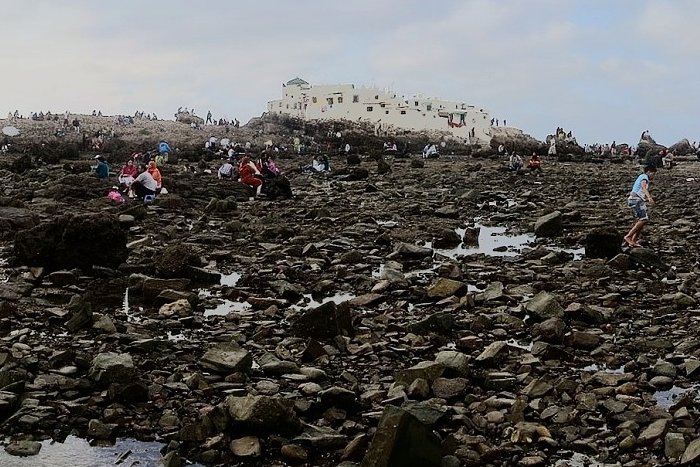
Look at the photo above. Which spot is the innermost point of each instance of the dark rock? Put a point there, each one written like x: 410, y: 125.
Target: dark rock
x: 326, y: 321
x: 603, y: 243
x: 73, y: 241
x: 647, y: 257
x: 227, y: 358
x: 440, y: 323
x: 549, y: 225
x: 264, y: 415
x: 174, y: 261
x: 402, y: 441
x: 447, y: 238
x: 110, y: 367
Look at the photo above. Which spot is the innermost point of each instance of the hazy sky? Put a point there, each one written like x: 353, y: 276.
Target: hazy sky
x: 605, y: 69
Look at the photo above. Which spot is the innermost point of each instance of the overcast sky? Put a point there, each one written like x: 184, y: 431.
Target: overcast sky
x: 605, y: 69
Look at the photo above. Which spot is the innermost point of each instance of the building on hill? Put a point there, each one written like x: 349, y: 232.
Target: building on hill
x: 387, y: 110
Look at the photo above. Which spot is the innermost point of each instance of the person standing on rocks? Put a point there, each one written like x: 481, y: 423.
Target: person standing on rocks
x: 637, y: 200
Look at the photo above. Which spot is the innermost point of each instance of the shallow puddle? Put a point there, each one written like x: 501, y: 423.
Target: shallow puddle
x: 226, y: 307
x: 77, y: 452
x: 338, y: 298
x: 523, y: 345
x: 577, y: 460
x: 665, y: 399
x: 230, y: 279
x: 493, y: 241
x: 594, y: 368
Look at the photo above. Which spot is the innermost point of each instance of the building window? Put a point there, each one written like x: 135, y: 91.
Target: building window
x: 376, y: 97
x: 429, y: 107
x: 294, y: 106
x: 386, y: 112
x: 329, y: 100
x: 287, y: 105
x: 340, y: 99
x: 314, y: 100
x: 382, y: 105
x: 355, y: 98
x: 280, y: 105
x: 416, y: 103
x: 369, y: 108
x: 403, y: 112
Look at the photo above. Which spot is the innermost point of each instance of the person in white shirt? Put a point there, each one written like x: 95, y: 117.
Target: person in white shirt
x: 144, y: 184
x: 226, y: 170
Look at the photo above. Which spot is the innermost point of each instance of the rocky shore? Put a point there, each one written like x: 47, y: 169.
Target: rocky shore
x: 395, y: 312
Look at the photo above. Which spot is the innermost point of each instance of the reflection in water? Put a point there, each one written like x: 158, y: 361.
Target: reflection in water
x: 230, y: 279
x: 493, y: 241
x: 77, y: 452
x: 665, y: 399
x: 227, y: 307
x: 338, y: 298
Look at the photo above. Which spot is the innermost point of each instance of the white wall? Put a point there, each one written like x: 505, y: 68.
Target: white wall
x: 345, y: 101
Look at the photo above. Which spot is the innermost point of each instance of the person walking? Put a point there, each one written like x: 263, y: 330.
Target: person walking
x: 637, y: 200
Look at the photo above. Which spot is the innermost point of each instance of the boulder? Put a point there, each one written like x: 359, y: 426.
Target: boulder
x: 264, y: 415
x: 175, y: 259
x: 110, y: 367
x: 227, y: 358
x: 447, y: 238
x: 444, y: 288
x: 543, y: 306
x: 178, y: 308
x: 603, y: 243
x: 682, y: 148
x: 325, y: 321
x: 402, y: 441
x: 549, y: 225
x: 647, y: 257
x: 73, y: 241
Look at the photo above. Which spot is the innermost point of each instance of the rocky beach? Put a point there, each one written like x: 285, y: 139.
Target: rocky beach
x: 397, y: 311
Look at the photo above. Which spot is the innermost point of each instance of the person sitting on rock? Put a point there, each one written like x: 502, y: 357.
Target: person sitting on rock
x: 267, y: 166
x: 516, y: 163
x: 164, y: 149
x: 534, y: 163
x: 430, y: 151
x: 250, y: 175
x: 102, y: 168
x: 155, y: 173
x: 226, y: 171
x: 128, y: 173
x: 144, y: 184
x: 115, y: 196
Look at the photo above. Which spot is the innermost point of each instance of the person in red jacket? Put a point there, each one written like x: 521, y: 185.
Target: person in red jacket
x: 250, y: 175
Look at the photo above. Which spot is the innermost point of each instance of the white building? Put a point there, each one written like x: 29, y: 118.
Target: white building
x: 387, y: 110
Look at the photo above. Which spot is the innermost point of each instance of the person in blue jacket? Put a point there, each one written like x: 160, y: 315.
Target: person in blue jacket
x: 164, y: 150
x: 102, y: 169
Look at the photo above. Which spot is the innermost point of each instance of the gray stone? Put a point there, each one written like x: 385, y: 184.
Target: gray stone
x: 543, y: 306
x: 444, y: 288
x: 263, y: 414
x: 110, y: 367
x: 248, y: 446
x: 227, y: 358
x: 454, y: 362
x: 325, y: 321
x: 407, y: 250
x: 428, y: 371
x: 674, y: 445
x: 549, y: 225
x: 663, y: 368
x: 494, y: 291
x: 179, y: 308
x: 654, y: 431
x: 23, y: 448
x: 494, y: 352
x: 401, y: 440
x: 692, y: 452
x: 440, y: 323
x: 550, y: 330
x: 321, y: 437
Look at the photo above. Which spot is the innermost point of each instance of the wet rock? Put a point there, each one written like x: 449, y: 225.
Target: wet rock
x: 583, y: 340
x: 321, y: 438
x: 111, y: 367
x: 227, y: 358
x: 647, y: 257
x: 62, y: 278
x: 549, y: 225
x: 654, y: 431
x: 248, y: 446
x: 427, y: 371
x: 177, y: 308
x: 494, y: 291
x: 444, y: 288
x: 550, y: 330
x: 543, y: 306
x: 171, y: 459
x: 401, y: 440
x: 174, y: 261
x: 493, y: 353
x: 409, y: 251
x: 674, y: 445
x: 99, y: 430
x: 23, y: 448
x: 691, y: 453
x: 455, y: 363
x: 79, y: 314
x: 325, y: 321
x: 446, y: 238
x: 263, y: 414
x: 73, y: 241
x: 663, y: 368
x: 440, y: 323
x: 603, y: 243
x: 355, y: 448
x: 294, y: 453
